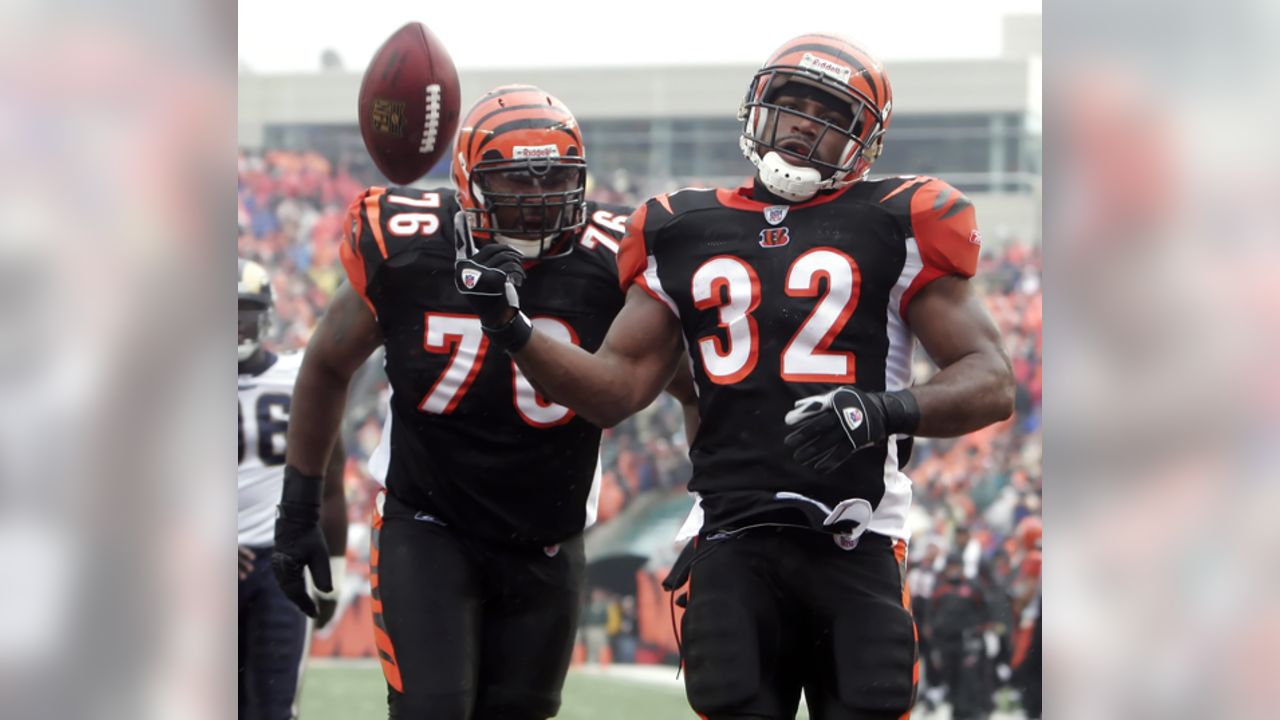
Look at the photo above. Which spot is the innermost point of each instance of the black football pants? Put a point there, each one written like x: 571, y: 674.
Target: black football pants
x: 772, y: 611
x: 467, y: 630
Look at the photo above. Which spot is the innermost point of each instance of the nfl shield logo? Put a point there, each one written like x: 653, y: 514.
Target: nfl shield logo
x: 775, y: 214
x: 470, y: 277
x: 852, y: 418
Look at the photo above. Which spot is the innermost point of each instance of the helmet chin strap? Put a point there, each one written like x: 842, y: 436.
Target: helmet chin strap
x: 787, y: 181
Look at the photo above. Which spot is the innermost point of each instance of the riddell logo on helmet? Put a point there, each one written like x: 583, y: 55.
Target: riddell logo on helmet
x: 826, y: 67
x: 470, y: 278
x: 975, y: 237
x: 534, y: 152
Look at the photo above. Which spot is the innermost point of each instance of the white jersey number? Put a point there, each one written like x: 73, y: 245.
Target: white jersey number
x: 731, y: 286
x: 414, y: 223
x: 807, y: 358
x: 462, y: 339
x: 532, y: 407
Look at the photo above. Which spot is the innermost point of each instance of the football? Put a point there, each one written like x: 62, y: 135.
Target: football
x: 409, y: 104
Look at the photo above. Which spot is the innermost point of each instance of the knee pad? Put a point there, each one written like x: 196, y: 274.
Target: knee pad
x: 874, y: 645
x: 721, y: 653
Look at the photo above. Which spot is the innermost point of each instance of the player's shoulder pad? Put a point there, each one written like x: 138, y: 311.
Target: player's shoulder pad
x: 397, y: 219
x: 940, y: 218
x: 637, y: 243
x: 383, y: 223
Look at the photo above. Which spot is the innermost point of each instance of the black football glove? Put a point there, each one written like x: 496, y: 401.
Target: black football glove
x: 299, y: 544
x: 490, y: 279
x: 830, y: 428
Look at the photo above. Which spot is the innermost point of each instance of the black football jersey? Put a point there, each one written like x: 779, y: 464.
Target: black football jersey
x: 780, y: 302
x: 472, y: 444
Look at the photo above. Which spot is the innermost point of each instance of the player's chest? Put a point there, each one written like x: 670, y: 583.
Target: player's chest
x: 782, y: 262
x: 427, y: 320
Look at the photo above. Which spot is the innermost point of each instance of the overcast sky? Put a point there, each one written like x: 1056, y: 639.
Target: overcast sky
x: 289, y: 35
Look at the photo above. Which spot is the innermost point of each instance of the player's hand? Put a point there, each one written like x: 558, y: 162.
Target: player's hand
x: 299, y: 544
x: 324, y: 612
x: 246, y: 561
x: 831, y: 427
x: 327, y: 602
x: 490, y: 280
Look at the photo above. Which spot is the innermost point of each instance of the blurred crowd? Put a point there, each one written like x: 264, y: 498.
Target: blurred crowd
x: 977, y: 498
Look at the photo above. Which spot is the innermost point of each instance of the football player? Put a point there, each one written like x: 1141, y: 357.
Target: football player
x: 795, y: 298
x: 477, y: 551
x: 273, y: 633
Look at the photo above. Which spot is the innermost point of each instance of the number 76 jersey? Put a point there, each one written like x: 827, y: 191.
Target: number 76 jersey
x: 471, y: 442
x: 779, y: 302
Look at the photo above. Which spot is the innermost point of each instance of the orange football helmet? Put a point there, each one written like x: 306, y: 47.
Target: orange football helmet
x: 520, y: 170
x: 837, y: 67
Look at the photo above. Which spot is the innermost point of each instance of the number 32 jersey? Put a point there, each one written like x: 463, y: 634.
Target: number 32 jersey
x: 472, y: 444
x: 266, y: 392
x: 779, y: 302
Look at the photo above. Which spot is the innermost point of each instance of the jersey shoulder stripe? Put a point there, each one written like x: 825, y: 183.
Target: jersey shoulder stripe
x: 941, y: 219
x: 383, y: 225
x: 939, y: 226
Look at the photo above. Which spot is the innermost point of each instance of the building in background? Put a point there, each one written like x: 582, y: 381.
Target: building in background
x: 974, y: 122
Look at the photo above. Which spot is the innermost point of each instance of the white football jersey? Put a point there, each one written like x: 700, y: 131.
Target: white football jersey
x: 264, y: 418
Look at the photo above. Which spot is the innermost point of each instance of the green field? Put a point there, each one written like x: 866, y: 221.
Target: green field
x: 356, y: 691
x: 343, y: 692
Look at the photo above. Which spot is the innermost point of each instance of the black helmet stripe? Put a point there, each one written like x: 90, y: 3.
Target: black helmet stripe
x: 531, y: 123
x: 479, y: 123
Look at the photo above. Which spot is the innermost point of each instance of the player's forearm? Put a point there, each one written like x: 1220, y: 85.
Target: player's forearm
x: 333, y: 511
x: 970, y: 394
x: 598, y: 390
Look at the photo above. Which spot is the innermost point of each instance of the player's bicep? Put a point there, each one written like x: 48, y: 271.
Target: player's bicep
x: 346, y: 335
x: 952, y: 323
x: 644, y: 344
